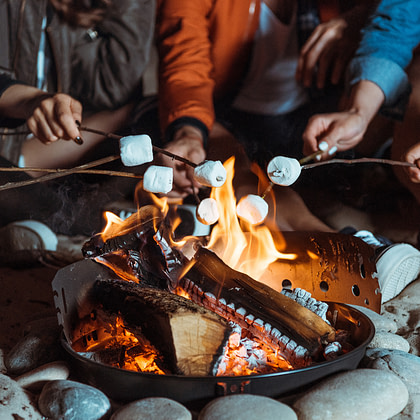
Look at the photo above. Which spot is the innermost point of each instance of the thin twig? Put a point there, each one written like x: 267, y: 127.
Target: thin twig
x: 56, y: 173
x: 360, y: 160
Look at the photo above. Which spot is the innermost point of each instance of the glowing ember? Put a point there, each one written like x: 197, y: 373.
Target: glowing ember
x: 116, y: 346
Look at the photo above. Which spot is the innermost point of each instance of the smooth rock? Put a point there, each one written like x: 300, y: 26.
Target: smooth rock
x: 381, y: 323
x: 246, y: 407
x: 363, y: 394
x: 404, y: 310
x: 36, y: 379
x: 35, y: 349
x: 407, y: 367
x: 15, y: 403
x: 389, y: 341
x: 153, y: 408
x: 70, y: 400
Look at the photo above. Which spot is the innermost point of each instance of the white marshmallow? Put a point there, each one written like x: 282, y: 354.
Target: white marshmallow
x: 136, y: 150
x: 207, y: 211
x: 158, y: 179
x: 252, y: 208
x: 210, y: 173
x: 283, y: 170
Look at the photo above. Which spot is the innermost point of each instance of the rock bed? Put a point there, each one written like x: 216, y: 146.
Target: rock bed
x: 36, y: 382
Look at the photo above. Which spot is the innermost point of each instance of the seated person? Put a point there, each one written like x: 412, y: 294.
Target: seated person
x: 64, y: 61
x: 230, y: 72
x: 386, y: 63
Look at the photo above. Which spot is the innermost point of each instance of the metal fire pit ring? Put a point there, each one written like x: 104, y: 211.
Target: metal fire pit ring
x: 123, y: 385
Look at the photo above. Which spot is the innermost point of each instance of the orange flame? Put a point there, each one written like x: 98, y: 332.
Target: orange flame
x: 250, y: 252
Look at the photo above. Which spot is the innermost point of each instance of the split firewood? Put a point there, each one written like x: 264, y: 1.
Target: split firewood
x: 190, y: 337
x: 258, y: 300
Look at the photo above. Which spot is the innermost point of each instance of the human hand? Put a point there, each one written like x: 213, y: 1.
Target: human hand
x: 187, y: 143
x: 339, y: 131
x: 326, y: 53
x: 413, y: 156
x: 54, y: 117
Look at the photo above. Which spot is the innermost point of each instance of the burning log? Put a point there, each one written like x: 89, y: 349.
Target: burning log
x: 264, y: 311
x: 190, y: 337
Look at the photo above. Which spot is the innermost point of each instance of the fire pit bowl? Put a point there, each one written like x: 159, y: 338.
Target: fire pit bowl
x: 124, y: 385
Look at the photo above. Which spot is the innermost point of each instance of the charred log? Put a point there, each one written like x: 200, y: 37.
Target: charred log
x: 266, y: 311
x: 190, y: 337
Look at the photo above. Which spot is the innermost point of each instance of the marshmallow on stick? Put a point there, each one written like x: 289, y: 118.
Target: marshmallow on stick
x: 207, y: 211
x: 252, y: 208
x: 158, y: 179
x: 283, y: 170
x: 210, y: 173
x: 136, y: 150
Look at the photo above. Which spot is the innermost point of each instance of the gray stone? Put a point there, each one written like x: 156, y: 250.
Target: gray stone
x: 15, y: 403
x: 34, y: 380
x: 388, y: 340
x: 35, y: 349
x: 381, y: 323
x: 407, y: 367
x: 246, y: 407
x: 153, y: 408
x: 70, y: 400
x: 363, y: 394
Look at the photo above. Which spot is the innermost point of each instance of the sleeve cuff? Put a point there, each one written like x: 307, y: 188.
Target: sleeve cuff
x: 180, y: 122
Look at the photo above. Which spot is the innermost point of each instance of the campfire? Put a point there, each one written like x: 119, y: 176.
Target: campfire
x: 197, y: 307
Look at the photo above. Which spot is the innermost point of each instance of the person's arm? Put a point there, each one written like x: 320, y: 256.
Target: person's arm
x: 48, y: 116
x: 344, y: 130
x: 185, y: 85
x: 107, y: 66
x: 376, y: 76
x: 325, y: 55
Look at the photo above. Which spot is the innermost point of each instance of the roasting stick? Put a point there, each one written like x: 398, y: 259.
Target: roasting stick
x: 58, y: 173
x: 360, y: 160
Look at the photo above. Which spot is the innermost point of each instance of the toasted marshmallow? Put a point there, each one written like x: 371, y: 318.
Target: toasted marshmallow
x: 210, y: 173
x: 136, y: 150
x: 252, y: 208
x: 158, y: 179
x: 283, y: 170
x: 207, y: 211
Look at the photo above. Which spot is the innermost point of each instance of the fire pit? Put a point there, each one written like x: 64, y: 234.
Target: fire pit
x: 73, y: 282
x: 221, y: 287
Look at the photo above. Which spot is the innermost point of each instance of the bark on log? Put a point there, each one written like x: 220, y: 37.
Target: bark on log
x: 190, y: 337
x: 305, y: 327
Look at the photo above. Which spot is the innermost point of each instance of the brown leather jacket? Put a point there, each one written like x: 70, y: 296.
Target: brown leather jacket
x: 102, y: 72
x: 204, y: 47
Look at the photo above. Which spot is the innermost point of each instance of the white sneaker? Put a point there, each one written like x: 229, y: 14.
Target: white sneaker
x: 398, y: 265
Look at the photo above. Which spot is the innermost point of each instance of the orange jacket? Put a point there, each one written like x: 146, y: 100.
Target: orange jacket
x: 204, y: 47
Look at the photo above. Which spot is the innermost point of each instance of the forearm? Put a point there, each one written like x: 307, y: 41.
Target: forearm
x: 366, y: 99
x: 18, y: 101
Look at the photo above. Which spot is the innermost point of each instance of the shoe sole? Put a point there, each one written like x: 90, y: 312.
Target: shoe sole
x: 397, y: 267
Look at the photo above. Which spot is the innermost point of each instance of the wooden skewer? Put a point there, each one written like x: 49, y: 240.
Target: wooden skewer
x: 360, y: 160
x: 58, y: 173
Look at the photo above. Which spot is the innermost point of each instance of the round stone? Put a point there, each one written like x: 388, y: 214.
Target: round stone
x: 357, y: 394
x: 70, y: 400
x: 153, y: 408
x: 246, y: 407
x: 15, y: 403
